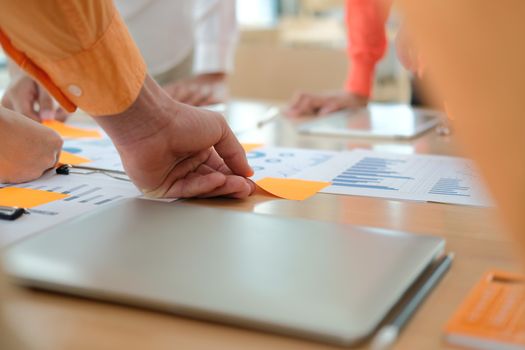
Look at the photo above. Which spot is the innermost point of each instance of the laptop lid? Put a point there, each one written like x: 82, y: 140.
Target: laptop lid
x: 321, y: 280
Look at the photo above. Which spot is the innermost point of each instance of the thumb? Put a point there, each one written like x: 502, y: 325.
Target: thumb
x: 45, y: 103
x: 232, y: 153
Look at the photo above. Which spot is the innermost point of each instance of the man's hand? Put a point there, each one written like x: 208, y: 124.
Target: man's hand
x: 176, y: 151
x: 309, y: 104
x: 26, y: 96
x: 27, y: 149
x: 200, y: 90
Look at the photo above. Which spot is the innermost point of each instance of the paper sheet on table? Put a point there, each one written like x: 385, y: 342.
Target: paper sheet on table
x: 399, y: 176
x: 70, y: 131
x: 275, y: 169
x: 27, y: 197
x: 284, y: 163
x: 79, y: 194
x: 101, y: 153
x: 293, y: 189
x: 72, y: 159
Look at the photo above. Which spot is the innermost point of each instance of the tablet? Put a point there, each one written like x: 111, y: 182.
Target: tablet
x: 396, y: 121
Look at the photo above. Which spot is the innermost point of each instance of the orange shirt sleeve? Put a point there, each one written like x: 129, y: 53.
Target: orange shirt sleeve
x: 80, y: 50
x: 367, y: 43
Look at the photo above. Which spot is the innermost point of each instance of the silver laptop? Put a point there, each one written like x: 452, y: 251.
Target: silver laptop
x: 325, y: 281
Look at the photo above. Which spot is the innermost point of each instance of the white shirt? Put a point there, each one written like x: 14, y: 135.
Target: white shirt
x: 166, y: 31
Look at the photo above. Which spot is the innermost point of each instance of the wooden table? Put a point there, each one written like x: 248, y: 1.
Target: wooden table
x: 62, y: 322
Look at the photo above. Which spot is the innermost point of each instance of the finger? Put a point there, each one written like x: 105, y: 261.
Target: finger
x: 45, y: 103
x: 195, y: 186
x: 200, y: 95
x: 35, y: 173
x: 232, y: 152
x: 309, y: 105
x: 182, y: 93
x: 178, y: 170
x: 6, y: 102
x: 177, y: 92
x: 211, y: 100
x: 26, y: 107
x: 296, y: 99
x: 294, y: 109
x: 215, y: 163
x: 331, y: 107
x: 61, y: 115
x: 234, y: 187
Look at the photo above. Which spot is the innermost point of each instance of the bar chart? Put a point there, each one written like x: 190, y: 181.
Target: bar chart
x: 401, y: 176
x: 86, y: 193
x: 450, y: 187
x: 371, y: 172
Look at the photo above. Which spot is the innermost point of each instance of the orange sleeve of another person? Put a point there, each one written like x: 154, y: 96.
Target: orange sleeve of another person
x: 367, y: 42
x: 79, y: 50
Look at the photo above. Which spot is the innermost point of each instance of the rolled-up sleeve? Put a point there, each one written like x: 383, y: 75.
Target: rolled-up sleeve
x: 216, y: 36
x: 366, y: 41
x: 80, y: 50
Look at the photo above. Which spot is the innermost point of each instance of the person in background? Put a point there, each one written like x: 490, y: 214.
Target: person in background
x: 477, y: 69
x: 188, y: 46
x: 367, y: 43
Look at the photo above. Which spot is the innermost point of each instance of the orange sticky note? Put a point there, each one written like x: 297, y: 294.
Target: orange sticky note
x: 73, y: 159
x: 248, y: 147
x: 27, y: 197
x: 68, y: 131
x: 291, y: 188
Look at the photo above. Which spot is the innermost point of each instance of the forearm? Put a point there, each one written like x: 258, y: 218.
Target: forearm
x: 143, y: 119
x: 366, y: 41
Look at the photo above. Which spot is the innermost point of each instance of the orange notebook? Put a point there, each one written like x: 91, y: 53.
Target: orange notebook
x: 493, y: 314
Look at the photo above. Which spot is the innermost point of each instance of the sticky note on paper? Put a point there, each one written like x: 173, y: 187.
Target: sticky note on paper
x: 248, y: 147
x: 73, y: 159
x: 27, y: 197
x: 69, y: 131
x: 291, y: 188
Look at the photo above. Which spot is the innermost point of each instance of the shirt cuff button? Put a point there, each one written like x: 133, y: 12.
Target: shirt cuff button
x: 74, y: 90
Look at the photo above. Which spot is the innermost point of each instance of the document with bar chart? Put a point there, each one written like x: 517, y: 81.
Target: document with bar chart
x: 85, y: 193
x: 396, y: 176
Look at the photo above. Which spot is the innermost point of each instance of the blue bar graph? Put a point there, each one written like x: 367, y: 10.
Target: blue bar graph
x: 371, y: 172
x: 450, y: 187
